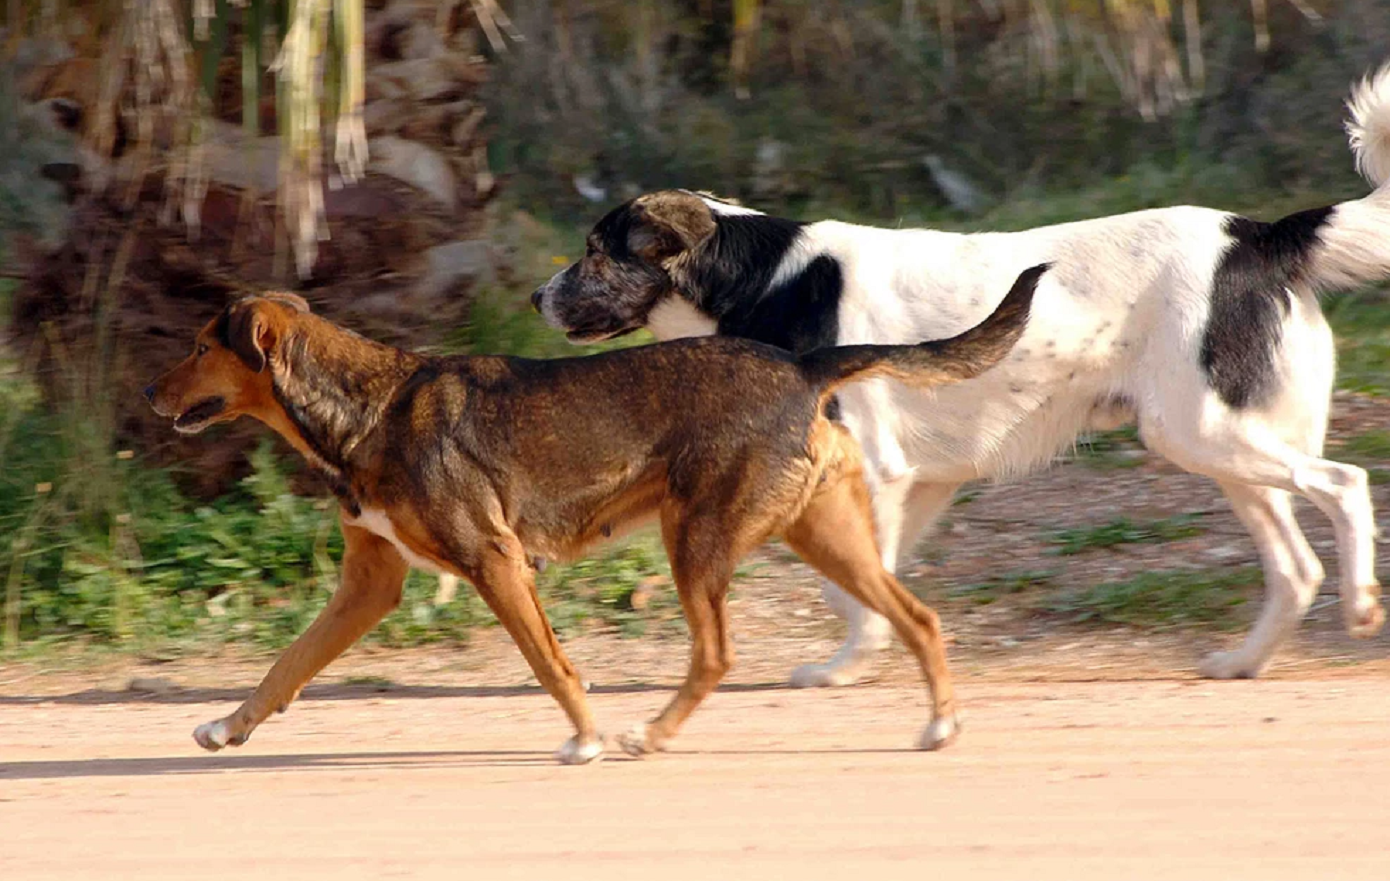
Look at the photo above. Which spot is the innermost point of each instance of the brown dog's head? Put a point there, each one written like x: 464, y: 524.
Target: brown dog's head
x: 627, y: 263
x: 226, y: 375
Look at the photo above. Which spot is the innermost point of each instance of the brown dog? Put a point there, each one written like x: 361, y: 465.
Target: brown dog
x: 473, y: 465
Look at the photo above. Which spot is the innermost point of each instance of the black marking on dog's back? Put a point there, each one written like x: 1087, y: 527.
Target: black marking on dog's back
x: 1250, y: 298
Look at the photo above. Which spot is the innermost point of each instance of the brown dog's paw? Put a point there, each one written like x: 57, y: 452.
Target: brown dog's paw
x: 212, y: 736
x: 940, y: 733
x: 579, y: 752
x: 637, y: 741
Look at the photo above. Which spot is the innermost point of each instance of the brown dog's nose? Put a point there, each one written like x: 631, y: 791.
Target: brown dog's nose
x: 149, y: 393
x: 536, y: 300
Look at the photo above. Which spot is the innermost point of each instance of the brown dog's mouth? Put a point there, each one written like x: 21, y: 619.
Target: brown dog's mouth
x: 199, y: 416
x: 584, y: 337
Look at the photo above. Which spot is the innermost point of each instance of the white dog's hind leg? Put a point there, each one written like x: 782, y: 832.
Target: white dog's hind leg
x: 1342, y: 492
x: 1292, y: 577
x: 902, y: 510
x: 1239, y: 448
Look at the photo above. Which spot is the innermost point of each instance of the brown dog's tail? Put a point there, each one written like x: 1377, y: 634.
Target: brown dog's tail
x: 932, y: 363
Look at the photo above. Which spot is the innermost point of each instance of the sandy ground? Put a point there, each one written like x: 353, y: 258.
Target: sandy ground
x: 1288, y: 778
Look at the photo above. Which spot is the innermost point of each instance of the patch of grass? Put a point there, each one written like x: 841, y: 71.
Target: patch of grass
x: 378, y: 683
x: 1371, y: 446
x: 1110, y: 449
x: 1162, y: 600
x: 599, y: 590
x: 991, y: 590
x: 1124, y: 531
x: 1371, y: 449
x: 1361, y: 322
x: 965, y: 498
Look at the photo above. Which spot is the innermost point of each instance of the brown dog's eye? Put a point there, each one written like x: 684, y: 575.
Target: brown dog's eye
x: 202, y: 349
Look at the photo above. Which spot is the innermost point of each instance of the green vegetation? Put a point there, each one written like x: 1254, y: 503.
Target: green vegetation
x: 1124, y: 531
x: 1371, y: 449
x: 998, y: 586
x: 1110, y: 449
x: 1361, y: 322
x: 1173, y: 598
x: 253, y: 567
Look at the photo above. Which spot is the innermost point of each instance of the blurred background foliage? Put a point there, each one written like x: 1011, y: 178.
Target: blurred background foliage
x: 415, y: 167
x: 898, y: 109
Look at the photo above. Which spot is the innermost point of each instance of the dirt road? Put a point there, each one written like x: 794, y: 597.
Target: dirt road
x: 1104, y: 780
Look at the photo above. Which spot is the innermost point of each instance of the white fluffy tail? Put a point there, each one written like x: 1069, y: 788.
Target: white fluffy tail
x: 1355, y: 244
x: 1369, y: 126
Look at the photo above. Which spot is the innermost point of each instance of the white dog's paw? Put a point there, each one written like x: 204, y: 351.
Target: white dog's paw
x: 1227, y: 665
x: 212, y: 736
x: 579, y: 752
x: 826, y: 675
x: 637, y: 742
x: 940, y: 732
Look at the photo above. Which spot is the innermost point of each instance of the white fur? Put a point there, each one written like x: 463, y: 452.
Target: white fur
x: 376, y: 521
x: 1369, y: 126
x: 577, y: 752
x: 635, y: 741
x: 1115, y: 336
x: 674, y: 318
x: 939, y: 733
x: 719, y: 206
x: 212, y: 736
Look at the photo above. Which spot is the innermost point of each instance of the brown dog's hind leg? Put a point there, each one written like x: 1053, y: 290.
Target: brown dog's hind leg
x: 701, y: 568
x: 507, y: 584
x: 835, y: 534
x: 373, y: 572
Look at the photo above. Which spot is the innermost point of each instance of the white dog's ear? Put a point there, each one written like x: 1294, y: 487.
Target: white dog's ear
x: 668, y: 223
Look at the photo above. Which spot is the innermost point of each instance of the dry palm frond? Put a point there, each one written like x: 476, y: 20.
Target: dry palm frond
x: 149, y: 91
x: 300, y: 68
x: 147, y: 82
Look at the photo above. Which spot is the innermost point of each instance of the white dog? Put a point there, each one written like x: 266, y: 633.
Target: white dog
x: 1201, y: 326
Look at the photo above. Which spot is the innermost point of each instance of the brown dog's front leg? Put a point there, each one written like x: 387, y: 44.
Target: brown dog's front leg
x: 373, y: 573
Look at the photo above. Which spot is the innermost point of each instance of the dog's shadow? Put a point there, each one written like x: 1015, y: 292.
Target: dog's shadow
x: 159, y: 766
x: 345, y: 692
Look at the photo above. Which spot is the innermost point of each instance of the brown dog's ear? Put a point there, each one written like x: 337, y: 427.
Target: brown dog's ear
x: 249, y: 333
x: 669, y: 223
x: 285, y: 298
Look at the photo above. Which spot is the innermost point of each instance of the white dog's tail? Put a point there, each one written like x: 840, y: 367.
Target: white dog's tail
x: 1355, y: 243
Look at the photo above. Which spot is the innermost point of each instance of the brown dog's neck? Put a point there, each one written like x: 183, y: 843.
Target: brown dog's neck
x: 333, y: 387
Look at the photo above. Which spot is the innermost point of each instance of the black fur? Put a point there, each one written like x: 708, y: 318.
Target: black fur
x: 731, y: 277
x: 1250, y: 299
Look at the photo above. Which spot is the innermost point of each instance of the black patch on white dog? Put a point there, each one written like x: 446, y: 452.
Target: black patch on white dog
x: 732, y: 278
x: 800, y: 315
x: 1250, y: 299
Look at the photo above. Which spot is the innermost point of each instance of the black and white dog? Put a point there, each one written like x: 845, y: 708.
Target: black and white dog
x: 1201, y: 326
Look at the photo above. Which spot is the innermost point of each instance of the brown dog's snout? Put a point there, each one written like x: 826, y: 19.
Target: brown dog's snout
x: 149, y: 393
